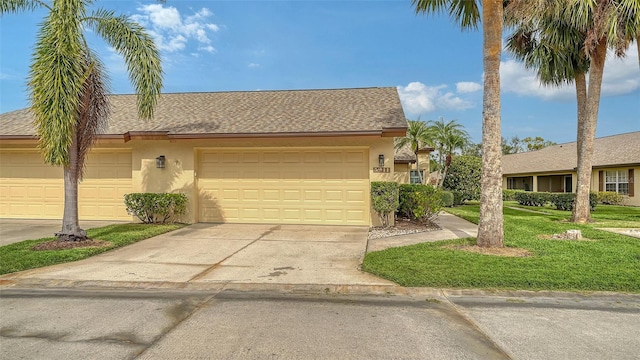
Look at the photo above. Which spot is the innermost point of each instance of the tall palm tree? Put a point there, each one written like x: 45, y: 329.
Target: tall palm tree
x: 564, y: 40
x: 467, y: 14
x: 418, y: 136
x: 447, y: 137
x: 67, y: 87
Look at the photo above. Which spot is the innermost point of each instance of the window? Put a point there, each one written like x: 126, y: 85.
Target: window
x: 414, y: 177
x: 617, y: 181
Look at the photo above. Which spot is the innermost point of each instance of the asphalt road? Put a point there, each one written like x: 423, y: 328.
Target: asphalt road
x: 174, y: 324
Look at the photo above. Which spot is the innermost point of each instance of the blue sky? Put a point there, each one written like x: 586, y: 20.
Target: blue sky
x: 275, y: 45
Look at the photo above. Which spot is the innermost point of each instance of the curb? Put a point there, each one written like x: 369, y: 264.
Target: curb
x: 310, y: 289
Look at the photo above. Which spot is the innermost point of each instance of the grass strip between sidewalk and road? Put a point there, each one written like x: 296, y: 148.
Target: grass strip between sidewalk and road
x: 20, y: 256
x: 604, y: 261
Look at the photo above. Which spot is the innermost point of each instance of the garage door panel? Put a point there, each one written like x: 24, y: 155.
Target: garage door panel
x: 302, y: 186
x: 32, y: 189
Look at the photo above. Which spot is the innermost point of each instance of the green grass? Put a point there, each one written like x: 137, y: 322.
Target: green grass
x: 19, y: 256
x: 610, y: 262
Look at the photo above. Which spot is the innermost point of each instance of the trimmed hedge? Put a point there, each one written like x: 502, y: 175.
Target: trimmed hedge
x: 156, y: 207
x: 420, y: 202
x: 447, y: 198
x: 610, y: 198
x: 565, y: 201
x: 510, y: 195
x: 530, y: 198
x: 384, y: 199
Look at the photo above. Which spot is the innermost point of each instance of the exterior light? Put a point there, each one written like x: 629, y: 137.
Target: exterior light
x: 160, y: 162
x: 381, y: 160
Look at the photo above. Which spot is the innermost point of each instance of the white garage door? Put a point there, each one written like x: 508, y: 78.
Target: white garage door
x: 30, y: 189
x: 287, y: 186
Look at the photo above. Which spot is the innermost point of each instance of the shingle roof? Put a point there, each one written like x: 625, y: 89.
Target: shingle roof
x: 248, y: 112
x: 623, y: 149
x: 404, y: 154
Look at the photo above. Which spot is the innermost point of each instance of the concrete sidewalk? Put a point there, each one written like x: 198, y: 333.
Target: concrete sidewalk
x: 451, y: 227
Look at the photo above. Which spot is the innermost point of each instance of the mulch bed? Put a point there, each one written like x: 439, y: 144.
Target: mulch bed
x: 62, y: 245
x: 403, y: 226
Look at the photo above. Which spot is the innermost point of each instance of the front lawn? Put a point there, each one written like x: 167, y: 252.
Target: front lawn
x: 604, y: 262
x: 20, y: 256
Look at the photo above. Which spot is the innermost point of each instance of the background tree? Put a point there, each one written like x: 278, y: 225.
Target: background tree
x: 418, y: 136
x: 564, y: 39
x: 511, y: 146
x: 463, y: 179
x: 536, y: 143
x: 467, y: 14
x: 447, y: 138
x: 67, y: 86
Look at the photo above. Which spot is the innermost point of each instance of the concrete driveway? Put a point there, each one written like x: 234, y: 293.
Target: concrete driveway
x: 15, y: 230
x: 227, y: 253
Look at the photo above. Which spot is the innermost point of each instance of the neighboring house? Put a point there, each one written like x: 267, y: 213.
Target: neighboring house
x: 290, y: 157
x: 616, y: 161
x: 406, y: 171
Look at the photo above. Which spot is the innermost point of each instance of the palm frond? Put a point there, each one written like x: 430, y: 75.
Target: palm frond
x: 140, y: 54
x: 464, y: 12
x: 93, y: 110
x: 55, y: 80
x: 14, y: 6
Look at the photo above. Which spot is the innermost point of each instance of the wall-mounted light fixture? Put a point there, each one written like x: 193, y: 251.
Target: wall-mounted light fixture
x: 160, y: 160
x: 381, y: 160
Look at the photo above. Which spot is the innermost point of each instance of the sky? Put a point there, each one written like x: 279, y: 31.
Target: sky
x: 211, y: 46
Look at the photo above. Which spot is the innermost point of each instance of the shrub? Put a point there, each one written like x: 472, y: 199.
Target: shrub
x: 510, y: 195
x: 565, y: 201
x: 464, y: 177
x: 420, y: 202
x: 384, y: 199
x: 156, y: 207
x: 458, y: 198
x: 447, y: 198
x: 530, y: 198
x: 610, y: 198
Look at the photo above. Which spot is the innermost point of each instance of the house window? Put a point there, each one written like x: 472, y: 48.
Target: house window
x: 414, y: 176
x: 617, y: 181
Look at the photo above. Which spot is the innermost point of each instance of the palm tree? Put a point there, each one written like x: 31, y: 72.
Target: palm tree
x: 67, y: 86
x: 418, y: 136
x: 447, y: 137
x: 467, y: 14
x: 564, y: 40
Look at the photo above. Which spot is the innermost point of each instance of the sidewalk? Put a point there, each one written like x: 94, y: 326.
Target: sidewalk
x: 451, y: 227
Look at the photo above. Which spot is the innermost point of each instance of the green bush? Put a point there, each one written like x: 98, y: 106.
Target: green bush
x: 447, y: 198
x: 610, y: 198
x: 464, y: 177
x: 384, y: 199
x: 510, y: 195
x: 530, y: 198
x: 420, y: 202
x: 156, y: 207
x: 565, y: 201
x: 458, y: 198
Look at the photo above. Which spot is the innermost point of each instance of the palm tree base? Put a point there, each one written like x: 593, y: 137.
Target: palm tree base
x: 79, y: 235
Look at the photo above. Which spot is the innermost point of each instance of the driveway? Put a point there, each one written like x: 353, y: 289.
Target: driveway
x: 15, y: 230
x: 228, y: 253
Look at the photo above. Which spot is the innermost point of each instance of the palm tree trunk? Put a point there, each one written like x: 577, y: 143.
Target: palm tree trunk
x: 71, y: 230
x: 490, y: 225
x: 418, y: 168
x: 587, y: 133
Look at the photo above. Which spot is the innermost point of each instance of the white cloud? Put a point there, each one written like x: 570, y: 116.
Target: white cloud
x: 172, y: 31
x: 621, y: 76
x: 418, y: 98
x: 464, y: 87
x: 253, y: 65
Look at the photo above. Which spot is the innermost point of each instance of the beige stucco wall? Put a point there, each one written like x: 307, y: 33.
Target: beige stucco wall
x: 180, y: 172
